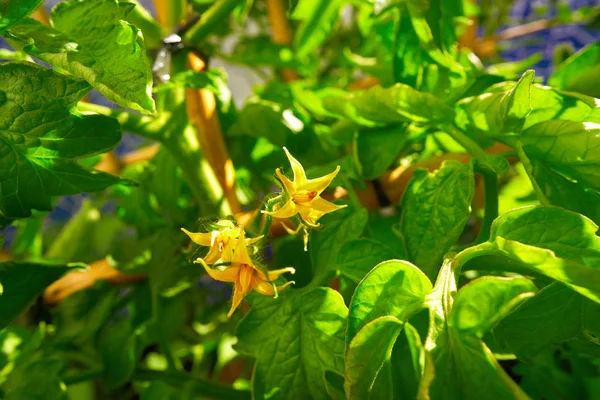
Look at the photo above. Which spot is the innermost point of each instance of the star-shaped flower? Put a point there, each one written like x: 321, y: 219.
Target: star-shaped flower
x: 245, y: 275
x: 304, y: 195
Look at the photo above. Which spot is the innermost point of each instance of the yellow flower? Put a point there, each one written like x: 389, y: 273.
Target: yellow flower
x: 221, y: 243
x: 245, y: 276
x: 305, y: 194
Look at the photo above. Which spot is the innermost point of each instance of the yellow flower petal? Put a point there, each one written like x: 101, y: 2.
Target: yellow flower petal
x: 319, y: 184
x: 240, y: 253
x: 203, y: 239
x: 228, y: 275
x: 268, y: 289
x: 288, y: 210
x: 299, y: 174
x: 242, y: 287
x: 289, y: 186
x: 324, y: 206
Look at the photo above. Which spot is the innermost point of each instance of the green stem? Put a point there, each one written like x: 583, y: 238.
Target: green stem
x: 201, y: 387
x: 210, y: 20
x: 354, y: 200
x: 148, y: 127
x: 469, y: 144
x: 490, y: 186
x: 185, y: 150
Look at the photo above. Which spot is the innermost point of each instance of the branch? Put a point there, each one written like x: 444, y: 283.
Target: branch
x: 202, y: 113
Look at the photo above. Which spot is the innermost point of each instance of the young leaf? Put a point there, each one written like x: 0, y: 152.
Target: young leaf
x: 435, y: 209
x: 43, y: 137
x: 580, y: 72
x: 367, y: 354
x: 568, y: 253
x: 571, y: 148
x: 318, y: 20
x: 14, y: 11
x: 92, y: 40
x: 295, y: 339
x: 22, y: 282
x: 393, y: 288
x: 463, y: 366
x: 497, y: 113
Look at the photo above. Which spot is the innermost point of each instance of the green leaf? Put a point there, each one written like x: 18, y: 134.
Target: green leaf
x: 36, y: 379
x: 14, y: 11
x: 562, y: 192
x: 435, y: 209
x: 484, y: 301
x: 551, y: 241
x: 22, y: 282
x: 548, y: 103
x: 376, y: 150
x: 497, y: 113
x: 367, y: 354
x: 302, y: 335
x: 463, y: 366
x: 393, y: 288
x: 338, y: 228
x: 43, y: 137
x: 117, y: 347
x: 580, y: 72
x: 142, y: 19
x: 261, y: 118
x: 570, y: 148
x: 92, y: 40
x: 398, y: 103
x: 318, y: 21
x: 357, y: 257
x: 79, y: 317
x: 552, y: 316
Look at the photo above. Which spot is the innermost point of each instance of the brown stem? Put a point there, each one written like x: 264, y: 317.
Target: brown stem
x: 202, y: 113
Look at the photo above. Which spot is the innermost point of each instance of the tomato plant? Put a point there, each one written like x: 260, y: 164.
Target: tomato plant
x: 384, y: 217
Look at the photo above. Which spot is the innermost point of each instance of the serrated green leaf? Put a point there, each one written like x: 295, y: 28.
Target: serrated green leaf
x: 22, y: 282
x: 42, y: 138
x: 12, y: 12
x: 435, y: 209
x: 318, y: 21
x: 357, y: 257
x: 338, y: 228
x: 580, y: 72
x: 571, y: 148
x: 367, y: 354
x: 393, y: 288
x: 302, y: 334
x: 92, y: 40
x: 499, y: 113
x: 398, y: 103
